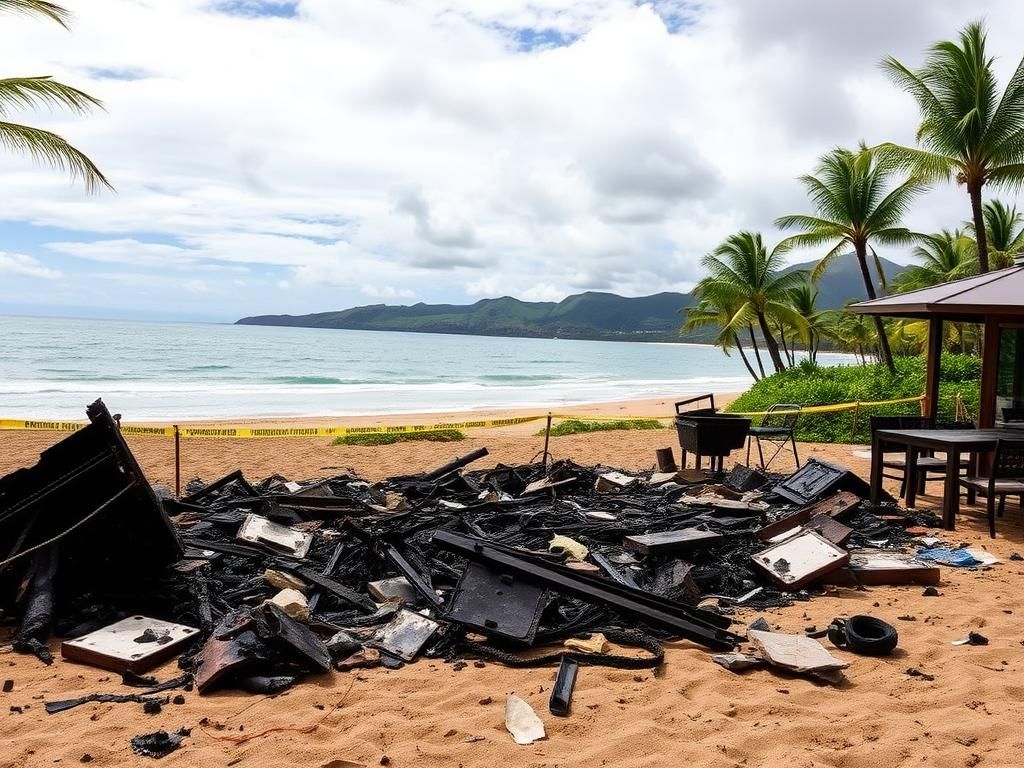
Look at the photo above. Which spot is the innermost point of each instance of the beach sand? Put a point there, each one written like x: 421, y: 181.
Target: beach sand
x: 691, y: 712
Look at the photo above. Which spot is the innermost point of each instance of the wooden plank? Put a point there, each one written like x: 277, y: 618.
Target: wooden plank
x: 670, y: 541
x: 800, y: 560
x: 872, y: 568
x: 834, y: 506
x: 830, y: 529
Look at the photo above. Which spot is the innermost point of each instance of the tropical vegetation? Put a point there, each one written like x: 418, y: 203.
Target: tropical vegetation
x: 19, y: 93
x: 807, y: 383
x: 857, y: 203
x: 972, y: 130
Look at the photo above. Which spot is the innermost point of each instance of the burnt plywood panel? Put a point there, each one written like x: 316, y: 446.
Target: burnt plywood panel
x: 135, y: 644
x: 800, y: 560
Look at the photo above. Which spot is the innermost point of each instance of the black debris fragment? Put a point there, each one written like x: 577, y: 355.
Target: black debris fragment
x: 159, y: 743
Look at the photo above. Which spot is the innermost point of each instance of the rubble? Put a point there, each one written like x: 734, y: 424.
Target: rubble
x: 282, y: 579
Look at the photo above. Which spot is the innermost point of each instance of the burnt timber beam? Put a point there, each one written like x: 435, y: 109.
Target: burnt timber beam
x: 701, y: 627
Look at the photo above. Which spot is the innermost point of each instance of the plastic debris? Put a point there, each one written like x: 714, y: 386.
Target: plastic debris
x: 522, y: 722
x: 956, y: 558
x: 573, y: 548
x: 596, y: 643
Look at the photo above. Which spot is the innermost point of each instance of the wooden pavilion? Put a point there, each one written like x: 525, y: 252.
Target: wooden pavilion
x: 994, y: 300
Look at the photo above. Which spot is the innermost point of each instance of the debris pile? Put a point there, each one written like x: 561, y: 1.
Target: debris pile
x: 256, y: 585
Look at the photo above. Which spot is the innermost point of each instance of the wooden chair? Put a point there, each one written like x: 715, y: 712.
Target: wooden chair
x: 929, y: 467
x: 777, y: 429
x: 1005, y: 479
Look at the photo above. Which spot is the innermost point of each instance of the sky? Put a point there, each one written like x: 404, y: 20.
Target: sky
x: 293, y: 156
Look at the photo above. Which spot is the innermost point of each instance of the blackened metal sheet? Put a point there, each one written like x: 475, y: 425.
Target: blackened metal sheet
x: 497, y: 603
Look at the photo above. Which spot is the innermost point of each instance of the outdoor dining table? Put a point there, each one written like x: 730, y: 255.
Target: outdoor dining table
x: 953, y: 442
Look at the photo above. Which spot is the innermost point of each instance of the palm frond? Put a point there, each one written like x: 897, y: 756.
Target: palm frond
x: 927, y: 166
x: 883, y: 280
x: 52, y: 11
x: 50, y: 148
x: 826, y: 261
x: 31, y: 92
x: 1007, y: 176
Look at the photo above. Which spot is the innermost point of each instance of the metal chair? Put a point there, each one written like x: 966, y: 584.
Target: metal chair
x: 1005, y: 478
x: 777, y: 429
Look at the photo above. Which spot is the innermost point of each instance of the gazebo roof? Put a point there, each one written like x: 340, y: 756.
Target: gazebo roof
x: 969, y: 300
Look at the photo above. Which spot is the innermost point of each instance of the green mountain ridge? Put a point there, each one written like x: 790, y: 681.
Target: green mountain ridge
x: 590, y: 315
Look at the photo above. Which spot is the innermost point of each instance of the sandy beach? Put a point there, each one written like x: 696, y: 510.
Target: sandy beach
x: 690, y: 712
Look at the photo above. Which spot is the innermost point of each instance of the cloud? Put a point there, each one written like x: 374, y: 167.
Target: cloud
x: 20, y: 265
x: 387, y: 292
x: 197, y: 286
x: 451, y: 149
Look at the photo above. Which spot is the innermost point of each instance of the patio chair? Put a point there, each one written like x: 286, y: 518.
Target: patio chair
x: 1006, y: 478
x: 1013, y: 416
x: 777, y: 429
x: 929, y: 467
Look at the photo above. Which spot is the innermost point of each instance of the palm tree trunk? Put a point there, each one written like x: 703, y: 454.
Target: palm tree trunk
x: 974, y: 190
x: 771, y: 343
x: 746, y: 362
x: 785, y: 347
x: 757, y: 351
x: 869, y: 286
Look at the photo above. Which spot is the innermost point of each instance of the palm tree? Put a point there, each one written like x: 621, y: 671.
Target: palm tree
x: 34, y: 92
x: 944, y: 256
x: 1003, y: 233
x: 743, y: 275
x: 856, y: 205
x: 804, y: 299
x: 855, y: 333
x: 967, y: 128
x: 708, y: 315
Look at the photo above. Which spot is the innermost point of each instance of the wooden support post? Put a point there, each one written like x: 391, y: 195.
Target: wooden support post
x: 177, y: 462
x: 666, y: 460
x: 931, y: 387
x: 989, y: 373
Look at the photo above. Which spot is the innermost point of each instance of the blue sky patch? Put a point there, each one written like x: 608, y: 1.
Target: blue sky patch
x: 282, y: 9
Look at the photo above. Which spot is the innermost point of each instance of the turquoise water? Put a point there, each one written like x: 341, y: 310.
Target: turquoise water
x: 50, y: 368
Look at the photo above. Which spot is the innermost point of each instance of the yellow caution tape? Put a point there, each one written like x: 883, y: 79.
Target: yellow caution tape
x: 239, y: 432
x: 839, y: 406
x: 245, y: 433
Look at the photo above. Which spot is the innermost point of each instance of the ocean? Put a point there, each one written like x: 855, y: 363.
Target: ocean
x: 50, y: 368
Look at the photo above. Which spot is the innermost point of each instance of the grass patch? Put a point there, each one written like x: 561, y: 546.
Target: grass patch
x: 580, y: 426
x: 807, y: 384
x: 390, y: 438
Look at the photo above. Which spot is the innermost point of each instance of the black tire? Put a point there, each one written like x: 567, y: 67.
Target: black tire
x: 865, y: 635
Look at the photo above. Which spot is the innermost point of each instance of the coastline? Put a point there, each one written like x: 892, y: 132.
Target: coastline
x: 626, y: 409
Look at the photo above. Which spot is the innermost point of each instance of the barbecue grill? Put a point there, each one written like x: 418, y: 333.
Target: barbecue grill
x: 705, y: 432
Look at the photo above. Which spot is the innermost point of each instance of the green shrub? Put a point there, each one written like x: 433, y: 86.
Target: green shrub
x: 809, y: 384
x: 389, y: 438
x: 579, y: 426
